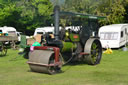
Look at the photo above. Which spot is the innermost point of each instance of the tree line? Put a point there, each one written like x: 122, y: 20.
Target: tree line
x: 26, y: 15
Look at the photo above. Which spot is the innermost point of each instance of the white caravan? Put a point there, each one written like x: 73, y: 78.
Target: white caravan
x: 113, y: 36
x: 43, y: 30
x: 19, y: 35
x: 10, y: 30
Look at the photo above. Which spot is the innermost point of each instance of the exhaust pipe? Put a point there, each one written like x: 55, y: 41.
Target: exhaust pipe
x: 56, y: 21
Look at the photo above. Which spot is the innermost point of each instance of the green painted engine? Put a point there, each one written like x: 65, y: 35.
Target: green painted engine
x: 69, y: 42
x: 78, y: 43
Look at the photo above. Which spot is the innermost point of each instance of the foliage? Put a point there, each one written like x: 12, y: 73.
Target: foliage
x: 29, y: 14
x: 25, y: 15
x: 125, y: 3
x: 37, y: 12
x: 9, y: 14
x: 114, y: 10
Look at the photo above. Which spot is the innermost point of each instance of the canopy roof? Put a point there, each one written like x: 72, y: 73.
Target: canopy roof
x: 81, y: 15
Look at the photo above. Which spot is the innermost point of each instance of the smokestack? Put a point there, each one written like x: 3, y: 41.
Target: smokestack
x: 56, y: 21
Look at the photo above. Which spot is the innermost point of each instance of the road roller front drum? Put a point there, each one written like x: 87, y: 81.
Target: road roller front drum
x: 43, y: 61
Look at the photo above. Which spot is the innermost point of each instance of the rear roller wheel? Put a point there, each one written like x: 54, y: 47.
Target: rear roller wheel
x: 94, y: 48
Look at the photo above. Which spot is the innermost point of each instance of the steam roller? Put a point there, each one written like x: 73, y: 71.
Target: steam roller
x: 78, y: 43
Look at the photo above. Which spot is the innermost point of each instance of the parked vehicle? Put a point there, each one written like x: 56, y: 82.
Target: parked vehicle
x: 113, y: 36
x: 10, y: 30
x: 43, y: 30
x: 8, y: 37
x: 19, y: 36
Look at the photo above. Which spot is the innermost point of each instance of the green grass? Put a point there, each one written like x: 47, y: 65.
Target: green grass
x: 113, y: 70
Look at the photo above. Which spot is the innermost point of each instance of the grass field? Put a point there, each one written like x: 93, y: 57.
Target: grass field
x: 113, y: 70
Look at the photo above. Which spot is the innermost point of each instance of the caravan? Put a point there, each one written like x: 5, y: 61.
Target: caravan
x: 43, y: 30
x: 10, y: 30
x: 113, y: 36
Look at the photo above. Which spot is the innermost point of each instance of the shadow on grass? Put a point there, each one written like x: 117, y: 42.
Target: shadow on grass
x: 2, y: 55
x: 74, y: 63
x: 17, y: 58
x: 45, y: 73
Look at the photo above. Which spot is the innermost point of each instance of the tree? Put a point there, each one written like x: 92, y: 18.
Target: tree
x: 36, y: 13
x: 125, y: 3
x: 25, y: 14
x: 9, y: 14
x: 81, y: 6
x: 114, y: 11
